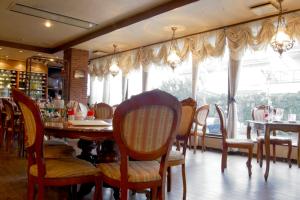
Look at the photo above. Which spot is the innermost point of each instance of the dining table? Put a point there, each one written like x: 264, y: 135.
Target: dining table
x: 270, y: 126
x: 88, y: 136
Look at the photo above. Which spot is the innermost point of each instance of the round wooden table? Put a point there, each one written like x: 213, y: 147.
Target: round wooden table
x: 90, y: 133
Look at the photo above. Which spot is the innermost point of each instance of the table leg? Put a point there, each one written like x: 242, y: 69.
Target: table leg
x: 298, y: 148
x: 248, y: 131
x: 267, y: 148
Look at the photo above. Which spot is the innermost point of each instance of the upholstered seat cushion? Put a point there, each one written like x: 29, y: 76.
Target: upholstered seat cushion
x: 176, y: 155
x: 274, y: 138
x: 138, y: 171
x: 239, y: 141
x: 64, y: 168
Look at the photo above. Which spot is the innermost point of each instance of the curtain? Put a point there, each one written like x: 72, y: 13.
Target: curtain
x: 124, y: 88
x: 233, y: 80
x: 195, y: 67
x: 145, y: 76
x: 106, y: 90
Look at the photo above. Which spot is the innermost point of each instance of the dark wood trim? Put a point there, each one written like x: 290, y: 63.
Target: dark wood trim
x: 24, y: 46
x: 201, y: 32
x: 170, y: 5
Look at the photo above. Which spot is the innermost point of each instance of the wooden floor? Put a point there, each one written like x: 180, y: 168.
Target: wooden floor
x: 204, y: 178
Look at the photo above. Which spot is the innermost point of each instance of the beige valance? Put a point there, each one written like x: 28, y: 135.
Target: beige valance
x: 255, y: 36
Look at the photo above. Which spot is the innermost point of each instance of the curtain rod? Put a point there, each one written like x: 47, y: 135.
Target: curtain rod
x: 210, y: 30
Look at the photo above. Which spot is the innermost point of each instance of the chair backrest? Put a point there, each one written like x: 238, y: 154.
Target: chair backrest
x: 258, y: 112
x: 145, y: 127
x: 9, y: 113
x: 222, y: 117
x: 103, y: 111
x: 201, y: 115
x: 34, y: 129
x: 188, y: 108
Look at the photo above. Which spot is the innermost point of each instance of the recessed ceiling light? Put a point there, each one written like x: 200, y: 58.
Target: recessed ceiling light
x: 0, y: 48
x: 21, y: 51
x: 39, y: 54
x: 51, y: 59
x: 48, y: 24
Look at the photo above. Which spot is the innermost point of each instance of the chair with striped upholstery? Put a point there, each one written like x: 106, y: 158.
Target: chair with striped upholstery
x: 12, y: 127
x: 200, y: 123
x: 188, y: 108
x: 103, y: 111
x: 258, y: 114
x: 49, y: 172
x: 144, y: 129
x: 1, y: 123
x: 233, y: 143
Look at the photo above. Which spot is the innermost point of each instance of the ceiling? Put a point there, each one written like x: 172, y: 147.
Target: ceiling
x: 192, y: 18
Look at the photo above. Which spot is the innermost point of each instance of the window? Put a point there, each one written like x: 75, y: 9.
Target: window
x: 95, y: 88
x: 267, y: 77
x: 213, y: 88
x: 134, y: 82
x: 177, y: 82
x: 115, y: 89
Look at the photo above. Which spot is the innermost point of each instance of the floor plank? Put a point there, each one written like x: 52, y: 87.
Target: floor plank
x: 204, y: 178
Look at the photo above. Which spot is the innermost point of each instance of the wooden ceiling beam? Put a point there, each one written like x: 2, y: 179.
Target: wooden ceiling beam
x: 24, y: 46
x: 170, y: 5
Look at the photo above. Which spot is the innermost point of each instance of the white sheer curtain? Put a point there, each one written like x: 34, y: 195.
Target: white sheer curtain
x: 96, y: 90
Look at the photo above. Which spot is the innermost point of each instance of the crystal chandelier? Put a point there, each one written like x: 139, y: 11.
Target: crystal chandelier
x: 281, y: 41
x: 114, y: 68
x: 173, y: 58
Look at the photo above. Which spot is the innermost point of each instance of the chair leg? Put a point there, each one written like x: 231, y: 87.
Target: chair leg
x: 261, y: 153
x: 289, y: 154
x: 9, y: 140
x: 154, y: 193
x: 195, y: 144
x: 169, y: 179
x: 1, y: 135
x: 124, y: 193
x: 249, y: 165
x: 190, y: 141
x: 30, y: 189
x: 223, y: 162
x: 41, y: 189
x: 203, y: 143
x: 98, y: 189
x: 258, y: 152
x: 183, y: 181
x: 274, y: 153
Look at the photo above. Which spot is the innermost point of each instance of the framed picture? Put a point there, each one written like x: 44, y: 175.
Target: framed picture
x: 79, y: 73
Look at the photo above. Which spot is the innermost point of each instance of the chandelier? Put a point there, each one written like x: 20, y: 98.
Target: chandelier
x: 173, y: 58
x: 281, y: 41
x: 114, y: 68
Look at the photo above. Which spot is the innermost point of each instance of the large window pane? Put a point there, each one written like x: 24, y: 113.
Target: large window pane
x: 213, y: 88
x: 177, y: 82
x: 266, y: 78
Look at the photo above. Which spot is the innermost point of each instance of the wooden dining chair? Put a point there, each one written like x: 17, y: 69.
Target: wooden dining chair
x: 200, y: 126
x: 258, y: 114
x: 233, y: 143
x: 1, y: 123
x: 49, y: 172
x: 188, y: 108
x: 12, y: 126
x: 144, y: 129
x: 103, y: 111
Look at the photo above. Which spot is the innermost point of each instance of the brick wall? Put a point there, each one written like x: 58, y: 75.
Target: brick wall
x: 76, y: 88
